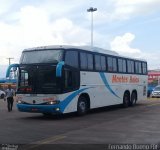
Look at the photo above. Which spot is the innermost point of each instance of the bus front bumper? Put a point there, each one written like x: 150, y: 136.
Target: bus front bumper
x: 51, y: 109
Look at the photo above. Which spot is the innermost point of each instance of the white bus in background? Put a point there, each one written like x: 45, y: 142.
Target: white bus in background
x: 64, y: 79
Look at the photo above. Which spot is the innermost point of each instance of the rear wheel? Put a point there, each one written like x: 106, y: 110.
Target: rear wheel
x: 133, y: 99
x: 126, y: 100
x: 82, y: 106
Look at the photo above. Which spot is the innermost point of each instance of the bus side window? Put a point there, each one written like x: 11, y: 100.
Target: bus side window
x: 144, y: 68
x: 83, y: 61
x: 130, y: 66
x: 121, y: 65
x: 98, y: 62
x: 71, y: 58
x: 112, y: 64
x: 71, y: 80
x: 138, y: 67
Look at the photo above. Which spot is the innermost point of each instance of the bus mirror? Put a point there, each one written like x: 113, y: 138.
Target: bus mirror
x: 9, y: 69
x: 59, y: 69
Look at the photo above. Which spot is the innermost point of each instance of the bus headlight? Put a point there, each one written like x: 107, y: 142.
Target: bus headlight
x: 19, y: 102
x: 57, y: 109
x: 54, y: 102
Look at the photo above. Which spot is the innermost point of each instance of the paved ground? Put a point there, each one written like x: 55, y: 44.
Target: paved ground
x: 133, y: 125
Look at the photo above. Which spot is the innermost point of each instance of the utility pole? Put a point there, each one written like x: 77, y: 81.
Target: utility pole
x: 9, y: 59
x: 91, y: 10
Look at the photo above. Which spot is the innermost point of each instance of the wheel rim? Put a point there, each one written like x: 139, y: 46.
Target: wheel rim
x: 134, y: 99
x: 82, y: 106
x: 126, y: 100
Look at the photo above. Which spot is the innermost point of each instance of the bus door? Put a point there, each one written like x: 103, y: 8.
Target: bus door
x: 71, y: 79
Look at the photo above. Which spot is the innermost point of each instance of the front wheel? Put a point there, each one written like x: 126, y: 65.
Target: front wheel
x: 82, y: 106
x: 2, y: 96
x: 126, y: 100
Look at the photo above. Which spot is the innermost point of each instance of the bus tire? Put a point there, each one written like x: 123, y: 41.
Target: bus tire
x: 126, y: 100
x: 82, y: 106
x: 2, y: 96
x: 133, y: 99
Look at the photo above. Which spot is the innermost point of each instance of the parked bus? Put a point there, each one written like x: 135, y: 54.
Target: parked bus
x: 64, y: 79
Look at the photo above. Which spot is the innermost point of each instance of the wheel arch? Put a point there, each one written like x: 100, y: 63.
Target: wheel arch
x: 127, y: 92
x: 135, y: 91
x: 86, y: 95
x: 2, y: 95
x: 126, y: 98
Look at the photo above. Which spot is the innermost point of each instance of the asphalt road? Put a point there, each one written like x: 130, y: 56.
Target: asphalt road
x: 133, y: 125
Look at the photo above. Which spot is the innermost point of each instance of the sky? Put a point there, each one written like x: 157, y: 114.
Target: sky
x: 129, y: 27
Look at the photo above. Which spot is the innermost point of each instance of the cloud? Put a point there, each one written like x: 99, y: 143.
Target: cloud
x: 121, y: 44
x: 6, y: 5
x: 120, y: 10
x: 38, y: 24
x: 3, y: 69
x: 125, y: 9
x: 34, y: 28
x: 152, y: 59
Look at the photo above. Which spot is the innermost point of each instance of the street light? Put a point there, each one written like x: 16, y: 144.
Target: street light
x: 91, y: 9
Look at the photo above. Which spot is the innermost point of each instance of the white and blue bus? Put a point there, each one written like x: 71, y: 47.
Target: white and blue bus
x: 64, y: 79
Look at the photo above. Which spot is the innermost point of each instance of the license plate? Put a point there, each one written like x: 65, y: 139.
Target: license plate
x: 34, y: 109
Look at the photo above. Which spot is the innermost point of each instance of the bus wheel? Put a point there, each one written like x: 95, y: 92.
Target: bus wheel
x: 2, y: 96
x: 126, y: 100
x: 133, y: 99
x: 82, y: 106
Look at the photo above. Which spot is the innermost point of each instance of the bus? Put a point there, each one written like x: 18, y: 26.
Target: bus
x: 64, y: 79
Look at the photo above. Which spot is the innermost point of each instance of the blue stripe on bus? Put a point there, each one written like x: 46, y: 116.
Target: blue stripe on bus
x: 68, y: 99
x: 50, y: 108
x: 106, y: 84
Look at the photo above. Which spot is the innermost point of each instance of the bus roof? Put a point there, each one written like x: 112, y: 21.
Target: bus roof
x: 85, y: 48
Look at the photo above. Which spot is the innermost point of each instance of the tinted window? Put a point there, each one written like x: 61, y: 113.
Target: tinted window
x: 112, y: 64
x: 121, y: 65
x: 41, y: 56
x: 103, y: 63
x: 100, y: 63
x: 71, y: 80
x: 90, y: 61
x: 86, y: 61
x: 24, y: 78
x: 97, y: 62
x: 46, y: 81
x: 124, y: 65
x: 138, y: 67
x: 71, y: 58
x: 144, y: 68
x: 130, y: 66
x: 83, y: 60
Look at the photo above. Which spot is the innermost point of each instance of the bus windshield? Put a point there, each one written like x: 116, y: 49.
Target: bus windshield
x: 41, y: 56
x: 38, y: 79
